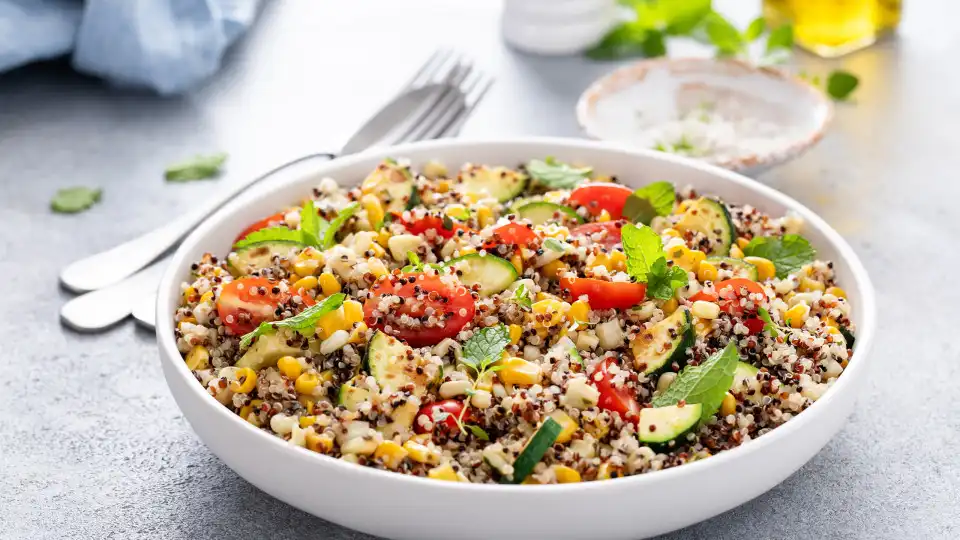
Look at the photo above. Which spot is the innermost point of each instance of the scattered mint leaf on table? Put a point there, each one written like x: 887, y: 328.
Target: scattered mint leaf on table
x: 788, y: 253
x: 840, y: 84
x: 705, y: 383
x: 554, y: 174
x: 303, y: 322
x: 756, y: 28
x: 198, y: 168
x: 650, y: 201
x: 723, y: 35
x: 73, y: 200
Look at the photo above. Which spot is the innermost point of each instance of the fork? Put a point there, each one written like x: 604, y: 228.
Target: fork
x: 442, y: 116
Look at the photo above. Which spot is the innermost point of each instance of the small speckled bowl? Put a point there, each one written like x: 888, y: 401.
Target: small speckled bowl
x: 668, y: 88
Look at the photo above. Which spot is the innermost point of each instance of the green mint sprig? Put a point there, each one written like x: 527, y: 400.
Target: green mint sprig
x: 788, y: 253
x: 314, y: 231
x: 304, y: 322
x: 647, y: 263
x: 768, y: 324
x: 650, y: 201
x: 705, y: 383
x: 556, y: 175
x: 522, y: 298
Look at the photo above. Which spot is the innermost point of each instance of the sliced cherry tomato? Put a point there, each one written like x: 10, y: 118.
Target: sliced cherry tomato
x: 435, y: 223
x: 605, y: 294
x: 705, y: 296
x: 451, y: 307
x: 611, y: 228
x: 730, y: 292
x: 452, y: 409
x: 601, y: 196
x: 516, y: 234
x: 246, y: 302
x: 620, y: 400
x: 272, y: 221
x: 754, y: 325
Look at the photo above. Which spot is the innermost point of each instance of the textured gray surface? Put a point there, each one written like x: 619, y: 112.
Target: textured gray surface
x: 93, y: 446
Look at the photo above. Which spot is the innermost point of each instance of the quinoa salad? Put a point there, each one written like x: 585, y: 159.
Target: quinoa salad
x: 533, y: 324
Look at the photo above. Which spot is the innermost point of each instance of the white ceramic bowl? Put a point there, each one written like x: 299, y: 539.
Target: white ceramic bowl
x: 397, y: 506
x: 648, y: 92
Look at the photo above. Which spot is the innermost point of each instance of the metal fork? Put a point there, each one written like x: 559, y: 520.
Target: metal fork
x: 442, y: 117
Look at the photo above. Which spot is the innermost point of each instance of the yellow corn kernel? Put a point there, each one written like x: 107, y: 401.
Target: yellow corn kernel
x: 331, y: 322
x: 484, y: 216
x: 198, y: 358
x: 686, y: 258
x: 765, y: 268
x: 673, y: 233
x: 188, y: 294
x: 670, y: 306
x: 606, y: 471
x: 516, y: 332
x: 377, y: 250
x: 443, y: 186
x: 455, y: 210
x: 307, y: 403
x: 604, y: 216
x: 796, y: 315
x: 566, y: 475
x: 245, y: 412
x: 550, y: 312
x: 322, y: 443
x: 742, y: 242
x: 707, y: 272
x: 306, y: 284
x: 443, y: 472
x: 530, y: 481
x: 569, y: 426
x: 352, y: 311
x: 186, y: 320
x: 289, y: 366
x: 306, y: 267
x: 374, y: 209
x: 358, y: 334
x: 520, y: 372
x: 421, y: 453
x: 246, y: 381
x: 729, y: 405
x: 423, y: 438
x: 579, y: 311
x: 807, y: 285
x: 377, y: 268
x: 326, y: 375
x: 206, y: 297
x: 390, y: 454
x: 517, y: 262
x: 836, y: 291
x: 736, y: 252
x: 306, y: 382
x: 684, y: 204
x: 329, y: 284
x: 547, y: 296
x: 552, y: 270
x: 382, y: 238
x: 307, y: 421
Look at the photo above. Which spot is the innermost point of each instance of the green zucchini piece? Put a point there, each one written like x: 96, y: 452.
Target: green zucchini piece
x: 739, y: 267
x: 500, y: 183
x: 533, y: 452
x: 745, y: 380
x: 350, y: 397
x: 269, y: 348
x: 540, y: 212
x: 710, y: 218
x: 394, y: 364
x: 393, y: 184
x: 254, y: 257
x: 660, y: 425
x: 658, y: 347
x: 848, y: 336
x: 491, y: 272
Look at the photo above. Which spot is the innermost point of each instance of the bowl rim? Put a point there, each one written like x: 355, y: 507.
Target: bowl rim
x: 169, y: 290
x: 631, y: 73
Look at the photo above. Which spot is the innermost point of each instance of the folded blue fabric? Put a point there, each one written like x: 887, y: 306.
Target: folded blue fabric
x: 166, y: 45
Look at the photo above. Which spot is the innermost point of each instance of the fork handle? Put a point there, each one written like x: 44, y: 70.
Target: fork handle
x: 108, y: 267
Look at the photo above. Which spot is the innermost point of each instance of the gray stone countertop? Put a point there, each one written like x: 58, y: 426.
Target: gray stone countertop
x: 93, y: 446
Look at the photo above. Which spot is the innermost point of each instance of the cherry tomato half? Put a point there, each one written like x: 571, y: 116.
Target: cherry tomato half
x: 601, y: 196
x: 516, y: 234
x: 620, y: 400
x: 271, y: 221
x: 246, y: 302
x: 611, y: 228
x: 435, y: 223
x: 448, y: 410
x: 754, y: 325
x: 452, y: 305
x: 728, y: 295
x: 605, y: 294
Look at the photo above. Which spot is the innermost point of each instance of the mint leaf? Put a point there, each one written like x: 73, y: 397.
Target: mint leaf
x: 788, y: 253
x: 624, y: 41
x: 643, y: 248
x: 198, y: 168
x: 840, y: 84
x: 780, y: 38
x: 705, y: 384
x: 303, y: 322
x: 521, y: 297
x: 477, y: 431
x: 553, y: 174
x: 329, y: 237
x: 768, y: 325
x: 755, y: 29
x: 485, y: 347
x: 272, y: 234
x: 311, y: 223
x: 75, y: 199
x: 723, y: 35
x: 575, y: 355
x: 650, y: 201
x: 663, y: 280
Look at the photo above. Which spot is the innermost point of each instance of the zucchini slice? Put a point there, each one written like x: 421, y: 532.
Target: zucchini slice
x: 393, y: 184
x: 666, y: 342
x: 745, y: 380
x: 491, y: 272
x: 252, y: 258
x: 394, y: 364
x: 848, y: 337
x: 350, y: 396
x: 660, y: 425
x: 533, y: 452
x: 269, y: 348
x: 710, y: 218
x: 540, y: 212
x: 739, y: 267
x: 500, y: 183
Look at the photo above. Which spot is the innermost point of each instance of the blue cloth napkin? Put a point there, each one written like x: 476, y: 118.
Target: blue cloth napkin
x: 166, y: 45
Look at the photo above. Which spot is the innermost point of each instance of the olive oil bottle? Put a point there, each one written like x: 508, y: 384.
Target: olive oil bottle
x: 831, y: 28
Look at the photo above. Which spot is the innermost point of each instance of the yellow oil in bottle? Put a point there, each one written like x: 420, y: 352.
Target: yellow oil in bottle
x: 832, y: 28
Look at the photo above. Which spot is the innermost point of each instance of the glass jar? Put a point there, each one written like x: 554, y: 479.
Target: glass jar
x: 831, y: 28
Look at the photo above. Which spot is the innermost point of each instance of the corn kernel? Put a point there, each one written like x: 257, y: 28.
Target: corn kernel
x: 377, y: 268
x: 553, y: 269
x: 455, y: 211
x: 686, y: 258
x: 569, y: 426
x: 443, y: 186
x: 836, y: 291
x: 797, y: 315
x: 443, y: 472
x: 306, y: 383
x: 742, y: 242
x: 188, y: 294
x: 673, y: 233
x: 306, y: 268
x: 374, y: 209
x: 390, y: 454
x: 331, y: 322
x: 307, y: 421
x: 807, y: 285
x: 305, y: 284
x: 383, y: 237
x: 358, y: 334
x: 329, y: 284
x: 579, y: 311
x: 198, y: 358
x: 566, y: 475
x: 520, y: 372
x: 326, y: 375
x: 707, y: 272
x: 321, y: 443
x: 604, y: 216
x: 206, y: 297
x: 670, y: 306
x: 186, y: 320
x: 550, y: 312
x: 246, y: 381
x: 607, y: 471
x: 289, y: 366
x: 377, y: 250
x: 736, y: 252
x: 421, y: 453
x: 517, y: 262
x: 705, y: 310
x: 306, y: 402
x: 729, y: 405
x: 765, y: 268
x: 516, y: 332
